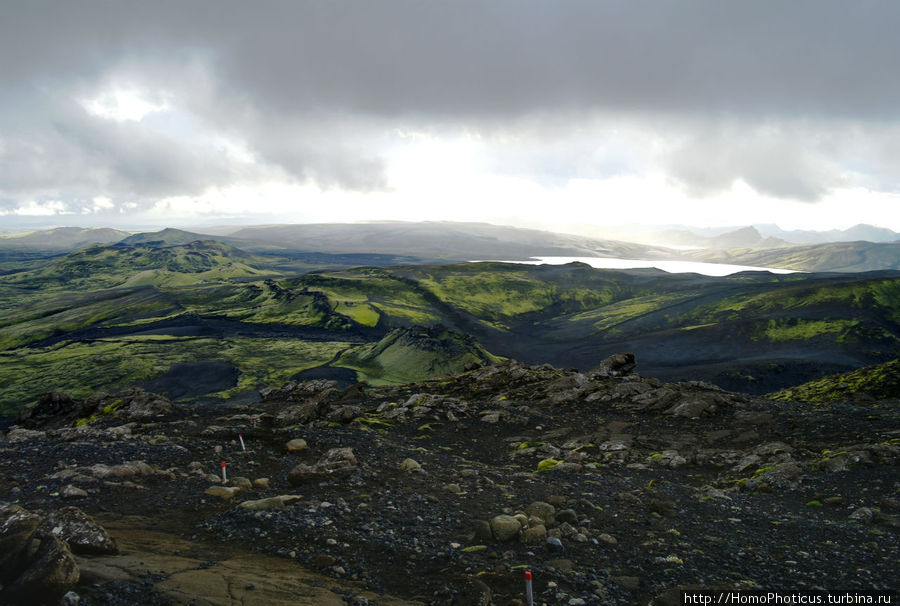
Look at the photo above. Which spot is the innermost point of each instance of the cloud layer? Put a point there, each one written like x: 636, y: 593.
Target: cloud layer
x: 794, y: 100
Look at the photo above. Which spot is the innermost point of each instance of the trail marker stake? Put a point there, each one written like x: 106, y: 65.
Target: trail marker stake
x: 241, y: 438
x: 529, y: 597
x: 224, y: 477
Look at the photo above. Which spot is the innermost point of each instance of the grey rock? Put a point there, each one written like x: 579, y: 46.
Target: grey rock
x: 337, y: 462
x: 295, y: 445
x: 505, y: 528
x: 554, y: 544
x: 863, y: 515
x: 613, y: 366
x: 534, y: 535
x: 16, y: 527
x: 49, y: 574
x: 79, y: 530
x: 278, y: 503
x: 544, y: 511
x: 73, y: 492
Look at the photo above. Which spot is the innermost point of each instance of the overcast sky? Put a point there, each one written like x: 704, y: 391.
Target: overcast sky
x: 557, y: 114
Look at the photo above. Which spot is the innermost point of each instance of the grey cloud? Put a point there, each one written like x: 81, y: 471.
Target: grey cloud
x: 771, y: 159
x: 286, y: 77
x: 498, y: 58
x: 60, y: 149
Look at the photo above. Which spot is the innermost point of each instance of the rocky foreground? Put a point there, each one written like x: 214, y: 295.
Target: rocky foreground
x: 610, y: 487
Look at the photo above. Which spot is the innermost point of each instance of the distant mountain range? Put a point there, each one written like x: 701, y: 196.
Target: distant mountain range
x: 857, y: 233
x: 755, y: 236
x: 306, y: 247
x: 63, y: 238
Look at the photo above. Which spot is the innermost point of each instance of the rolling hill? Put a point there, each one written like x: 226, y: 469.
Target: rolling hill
x: 159, y: 265
x: 116, y: 316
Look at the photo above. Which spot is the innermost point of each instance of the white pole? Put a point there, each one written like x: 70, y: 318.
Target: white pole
x: 529, y: 597
x: 241, y: 438
x: 224, y: 477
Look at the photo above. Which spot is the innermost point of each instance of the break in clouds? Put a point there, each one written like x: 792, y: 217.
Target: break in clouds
x: 135, y: 102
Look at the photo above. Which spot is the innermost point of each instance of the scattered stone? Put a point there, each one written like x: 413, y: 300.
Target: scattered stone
x: 863, y: 515
x: 223, y: 492
x: 241, y: 482
x: 73, y: 492
x: 129, y: 469
x: 534, y: 535
x: 296, y: 445
x: 554, y: 544
x: 410, y: 465
x: 544, y: 511
x: 608, y: 539
x: 505, y: 528
x: 337, y: 462
x: 280, y: 502
x: 261, y: 483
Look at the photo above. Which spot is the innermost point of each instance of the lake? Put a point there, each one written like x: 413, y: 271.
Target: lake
x: 675, y: 267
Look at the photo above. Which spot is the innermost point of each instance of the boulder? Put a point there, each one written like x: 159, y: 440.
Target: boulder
x: 53, y: 409
x: 337, y: 462
x: 79, y: 530
x: 295, y: 445
x: 505, y: 528
x: 16, y: 527
x: 613, y: 366
x: 128, y: 469
x: 131, y: 404
x: 49, y: 574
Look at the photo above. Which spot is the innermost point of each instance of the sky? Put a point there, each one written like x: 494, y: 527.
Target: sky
x: 565, y: 115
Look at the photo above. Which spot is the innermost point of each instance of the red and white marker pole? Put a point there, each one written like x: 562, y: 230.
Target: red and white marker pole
x: 224, y: 477
x: 241, y: 438
x: 529, y: 597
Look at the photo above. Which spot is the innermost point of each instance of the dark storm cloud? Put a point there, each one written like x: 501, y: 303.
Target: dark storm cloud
x: 497, y: 57
x: 280, y: 75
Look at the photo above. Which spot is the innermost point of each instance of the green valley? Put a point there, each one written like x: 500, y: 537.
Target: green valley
x: 111, y: 316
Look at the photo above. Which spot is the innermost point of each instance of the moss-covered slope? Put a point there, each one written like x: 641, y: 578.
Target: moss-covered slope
x: 414, y: 354
x: 878, y: 382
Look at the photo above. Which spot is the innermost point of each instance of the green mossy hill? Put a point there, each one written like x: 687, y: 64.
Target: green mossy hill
x: 879, y: 382
x: 833, y: 256
x: 415, y: 354
x: 113, y: 266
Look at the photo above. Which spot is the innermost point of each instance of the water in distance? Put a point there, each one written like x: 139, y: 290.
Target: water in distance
x: 675, y: 267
